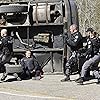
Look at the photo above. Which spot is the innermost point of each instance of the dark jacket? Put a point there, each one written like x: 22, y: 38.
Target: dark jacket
x: 75, y: 41
x: 30, y: 64
x: 92, y: 47
x: 95, y: 45
x: 6, y: 46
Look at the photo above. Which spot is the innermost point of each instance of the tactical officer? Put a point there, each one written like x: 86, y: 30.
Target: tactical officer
x: 81, y: 57
x: 2, y: 22
x: 93, y: 58
x: 74, y: 42
x: 6, y: 50
x: 31, y: 68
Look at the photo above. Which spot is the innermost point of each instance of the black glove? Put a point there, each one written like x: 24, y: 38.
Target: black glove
x: 65, y: 33
x: 83, y: 55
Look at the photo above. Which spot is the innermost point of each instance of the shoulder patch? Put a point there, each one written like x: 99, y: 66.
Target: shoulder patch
x: 75, y: 40
x: 89, y: 42
x: 76, y: 37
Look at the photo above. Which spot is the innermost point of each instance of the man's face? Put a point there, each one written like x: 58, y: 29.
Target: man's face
x: 71, y: 29
x: 88, y: 33
x: 3, y: 33
x: 91, y: 35
x: 28, y: 54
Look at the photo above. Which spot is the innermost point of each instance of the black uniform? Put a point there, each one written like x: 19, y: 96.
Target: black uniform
x: 91, y: 62
x: 85, y: 53
x: 31, y: 67
x: 91, y: 48
x: 6, y: 50
x: 75, y: 43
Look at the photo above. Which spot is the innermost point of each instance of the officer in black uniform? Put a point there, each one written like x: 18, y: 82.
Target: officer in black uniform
x: 31, y: 68
x: 6, y: 50
x: 93, y: 58
x: 81, y: 54
x: 75, y: 43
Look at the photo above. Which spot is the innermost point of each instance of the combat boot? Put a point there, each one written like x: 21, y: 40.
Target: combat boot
x: 17, y: 77
x: 98, y: 82
x: 4, y: 76
x: 67, y: 78
x: 36, y: 78
x: 80, y: 81
x: 77, y: 79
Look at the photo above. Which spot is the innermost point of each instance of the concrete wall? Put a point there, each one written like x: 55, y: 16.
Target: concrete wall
x: 89, y: 14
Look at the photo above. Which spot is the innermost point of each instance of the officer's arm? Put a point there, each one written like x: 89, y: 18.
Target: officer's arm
x: 88, y: 52
x: 82, y: 50
x: 22, y: 63
x: 74, y: 42
x: 10, y: 39
x: 36, y: 64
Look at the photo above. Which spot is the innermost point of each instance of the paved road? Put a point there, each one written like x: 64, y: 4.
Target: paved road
x: 49, y: 88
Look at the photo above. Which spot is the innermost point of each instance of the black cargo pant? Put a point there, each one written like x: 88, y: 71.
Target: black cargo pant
x: 75, y: 63
x: 3, y: 60
x: 27, y: 74
x: 71, y: 64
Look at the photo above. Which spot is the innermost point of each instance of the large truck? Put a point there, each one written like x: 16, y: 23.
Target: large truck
x: 39, y: 25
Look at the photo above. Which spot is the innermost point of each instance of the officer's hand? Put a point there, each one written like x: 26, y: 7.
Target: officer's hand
x: 83, y: 55
x: 32, y: 71
x: 80, y: 51
x: 0, y: 42
x: 66, y: 36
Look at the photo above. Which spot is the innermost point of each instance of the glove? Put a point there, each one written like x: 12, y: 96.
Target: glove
x: 82, y: 55
x: 33, y: 71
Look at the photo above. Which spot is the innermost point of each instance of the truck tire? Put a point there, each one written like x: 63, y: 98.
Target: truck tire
x: 13, y: 8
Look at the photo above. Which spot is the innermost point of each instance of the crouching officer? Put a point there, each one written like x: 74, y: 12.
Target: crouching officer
x: 74, y: 42
x: 6, y: 51
x: 31, y: 68
x: 82, y: 53
x: 93, y: 56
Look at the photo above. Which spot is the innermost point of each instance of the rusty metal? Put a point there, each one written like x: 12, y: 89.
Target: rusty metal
x: 42, y: 37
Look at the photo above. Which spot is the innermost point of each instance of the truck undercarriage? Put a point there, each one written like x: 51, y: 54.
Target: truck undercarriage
x: 39, y: 25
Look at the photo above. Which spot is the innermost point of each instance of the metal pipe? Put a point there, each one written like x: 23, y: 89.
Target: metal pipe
x: 19, y: 38
x: 36, y: 14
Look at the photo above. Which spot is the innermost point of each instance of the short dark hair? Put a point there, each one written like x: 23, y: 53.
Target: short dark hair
x: 2, y: 22
x: 90, y: 30
x: 95, y: 33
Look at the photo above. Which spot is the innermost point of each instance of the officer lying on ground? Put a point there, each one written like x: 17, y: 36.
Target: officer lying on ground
x: 6, y: 51
x: 75, y: 43
x: 31, y: 68
x: 93, y: 56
